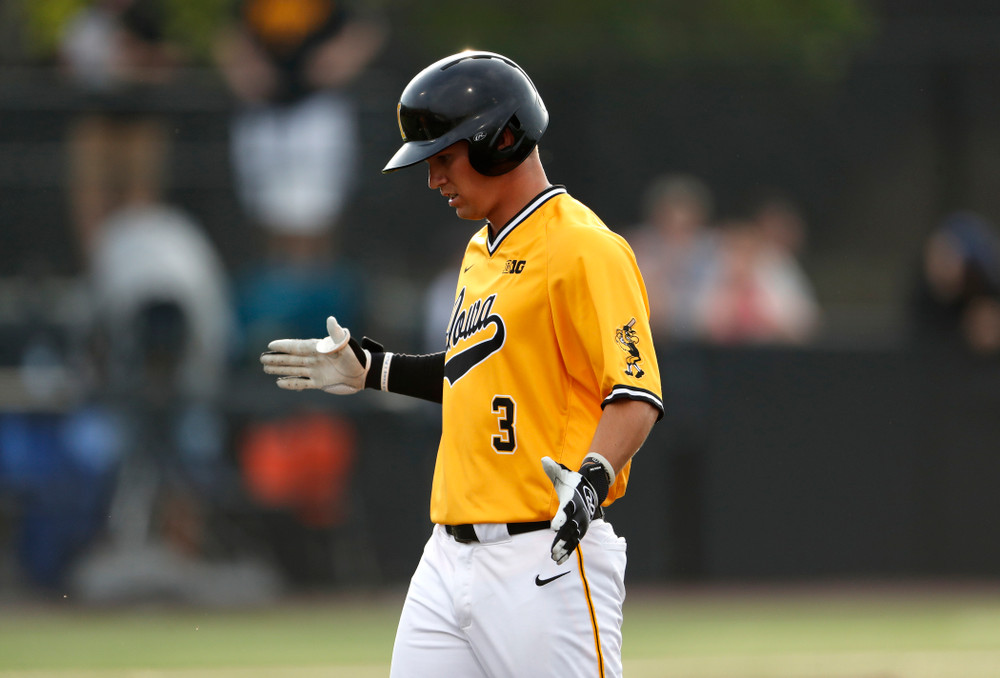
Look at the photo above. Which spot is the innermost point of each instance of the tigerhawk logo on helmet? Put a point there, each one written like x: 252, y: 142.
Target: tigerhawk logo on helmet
x: 399, y: 121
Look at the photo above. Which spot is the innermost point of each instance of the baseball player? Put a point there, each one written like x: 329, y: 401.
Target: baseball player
x: 542, y: 409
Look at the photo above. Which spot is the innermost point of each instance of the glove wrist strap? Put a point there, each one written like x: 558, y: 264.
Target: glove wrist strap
x: 374, y: 376
x: 598, y: 470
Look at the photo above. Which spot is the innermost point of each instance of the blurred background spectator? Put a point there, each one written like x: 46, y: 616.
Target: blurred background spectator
x: 780, y: 221
x: 162, y: 321
x: 148, y: 256
x: 756, y: 291
x: 114, y: 53
x: 955, y: 302
x: 734, y: 282
x: 295, y: 134
x: 295, y: 149
x: 675, y: 247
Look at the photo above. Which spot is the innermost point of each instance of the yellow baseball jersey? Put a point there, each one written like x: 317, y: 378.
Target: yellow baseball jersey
x: 550, y: 323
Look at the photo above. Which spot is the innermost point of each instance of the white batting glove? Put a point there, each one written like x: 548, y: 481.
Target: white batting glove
x: 578, y: 505
x: 319, y: 363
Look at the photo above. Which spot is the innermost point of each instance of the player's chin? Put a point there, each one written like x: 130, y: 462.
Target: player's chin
x: 469, y: 213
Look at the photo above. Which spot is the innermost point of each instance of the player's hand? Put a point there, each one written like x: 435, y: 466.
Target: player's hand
x: 579, y: 503
x: 319, y: 363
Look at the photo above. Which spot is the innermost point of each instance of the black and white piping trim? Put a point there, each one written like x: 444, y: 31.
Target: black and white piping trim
x: 493, y: 244
x: 631, y: 393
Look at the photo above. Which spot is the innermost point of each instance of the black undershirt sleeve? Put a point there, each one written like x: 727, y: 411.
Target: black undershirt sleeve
x: 419, y: 376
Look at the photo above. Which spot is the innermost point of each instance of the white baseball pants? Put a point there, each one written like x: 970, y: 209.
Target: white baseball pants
x: 502, y: 608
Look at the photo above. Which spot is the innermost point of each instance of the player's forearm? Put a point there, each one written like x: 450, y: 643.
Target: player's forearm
x: 622, y: 429
x: 419, y: 376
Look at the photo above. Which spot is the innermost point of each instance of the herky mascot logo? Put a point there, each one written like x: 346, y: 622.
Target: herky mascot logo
x: 468, y: 322
x: 627, y: 338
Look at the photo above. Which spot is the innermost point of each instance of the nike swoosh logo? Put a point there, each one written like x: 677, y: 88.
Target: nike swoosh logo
x: 466, y: 269
x: 542, y: 582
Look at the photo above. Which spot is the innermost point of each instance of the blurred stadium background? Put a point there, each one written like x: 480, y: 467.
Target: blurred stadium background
x: 820, y: 508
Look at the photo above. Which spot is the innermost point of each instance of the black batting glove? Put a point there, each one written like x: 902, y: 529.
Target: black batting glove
x: 581, y: 494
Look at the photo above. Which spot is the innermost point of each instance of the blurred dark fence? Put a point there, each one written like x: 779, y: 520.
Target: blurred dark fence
x: 770, y: 464
x: 814, y: 464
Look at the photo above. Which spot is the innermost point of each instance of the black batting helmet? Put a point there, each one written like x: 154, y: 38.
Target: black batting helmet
x: 472, y: 96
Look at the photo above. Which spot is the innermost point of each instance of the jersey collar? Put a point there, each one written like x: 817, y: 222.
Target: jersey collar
x: 492, y: 244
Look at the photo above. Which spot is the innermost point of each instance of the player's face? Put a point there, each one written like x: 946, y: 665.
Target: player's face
x: 450, y: 173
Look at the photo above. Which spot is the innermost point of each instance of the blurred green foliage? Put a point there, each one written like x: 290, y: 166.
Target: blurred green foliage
x: 808, y: 37
x: 44, y: 21
x: 190, y: 24
x: 195, y: 24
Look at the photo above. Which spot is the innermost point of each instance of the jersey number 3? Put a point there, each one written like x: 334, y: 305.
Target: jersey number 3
x: 505, y: 442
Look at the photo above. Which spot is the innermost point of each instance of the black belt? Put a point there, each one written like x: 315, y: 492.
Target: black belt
x: 466, y: 534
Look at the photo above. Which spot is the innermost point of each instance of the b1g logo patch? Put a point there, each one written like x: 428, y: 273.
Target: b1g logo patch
x: 514, y: 266
x: 626, y: 338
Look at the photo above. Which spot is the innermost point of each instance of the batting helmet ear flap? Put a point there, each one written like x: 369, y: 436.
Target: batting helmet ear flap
x: 500, y: 153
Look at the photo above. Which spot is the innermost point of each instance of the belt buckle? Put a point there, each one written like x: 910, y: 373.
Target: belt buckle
x: 460, y: 535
